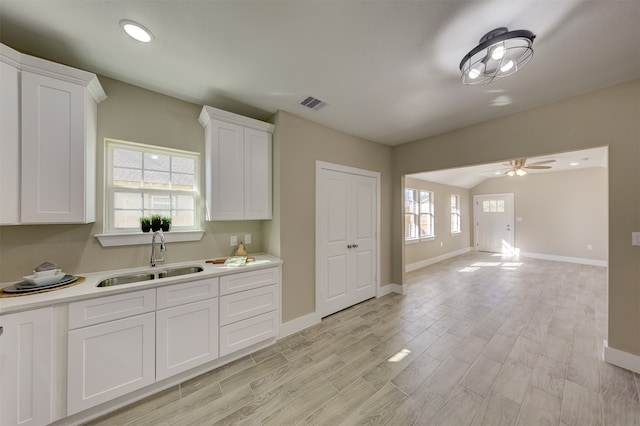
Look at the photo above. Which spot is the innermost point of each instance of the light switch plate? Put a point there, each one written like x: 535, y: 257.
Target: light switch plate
x: 635, y: 238
x: 247, y: 238
x: 233, y: 241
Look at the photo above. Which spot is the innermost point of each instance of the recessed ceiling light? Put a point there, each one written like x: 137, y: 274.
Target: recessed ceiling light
x: 136, y: 31
x: 574, y: 164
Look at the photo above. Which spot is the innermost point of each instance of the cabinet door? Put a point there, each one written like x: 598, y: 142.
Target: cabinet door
x: 110, y: 360
x: 53, y: 150
x: 9, y: 144
x: 186, y: 337
x: 257, y: 174
x: 225, y: 172
x: 25, y: 368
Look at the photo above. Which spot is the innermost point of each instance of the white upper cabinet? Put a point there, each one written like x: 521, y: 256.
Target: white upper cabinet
x: 238, y: 166
x: 56, y: 116
x: 9, y: 143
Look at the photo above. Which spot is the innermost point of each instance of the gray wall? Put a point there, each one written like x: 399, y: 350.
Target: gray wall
x: 603, y: 117
x: 137, y: 115
x: 562, y: 212
x: 443, y: 242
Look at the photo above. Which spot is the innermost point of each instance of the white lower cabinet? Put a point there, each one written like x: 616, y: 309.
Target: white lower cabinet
x: 26, y: 368
x: 249, y: 309
x: 110, y: 360
x: 186, y: 326
x: 121, y: 343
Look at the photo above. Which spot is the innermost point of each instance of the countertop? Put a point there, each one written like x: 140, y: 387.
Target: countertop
x: 88, y: 289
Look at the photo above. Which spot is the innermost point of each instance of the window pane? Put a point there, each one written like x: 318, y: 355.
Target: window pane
x: 181, y: 181
x: 500, y: 206
x: 127, y: 200
x: 127, y: 158
x: 156, y: 162
x: 183, y: 165
x: 127, y: 177
x: 156, y: 179
x: 127, y: 219
x: 183, y: 218
x: 185, y: 202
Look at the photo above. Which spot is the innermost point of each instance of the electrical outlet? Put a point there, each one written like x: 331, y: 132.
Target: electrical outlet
x: 589, y: 246
x: 233, y: 240
x: 247, y: 238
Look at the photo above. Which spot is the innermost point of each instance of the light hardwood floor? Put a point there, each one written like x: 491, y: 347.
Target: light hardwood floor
x: 477, y: 340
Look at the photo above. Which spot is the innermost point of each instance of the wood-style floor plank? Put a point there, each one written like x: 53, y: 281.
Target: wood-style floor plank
x: 477, y: 339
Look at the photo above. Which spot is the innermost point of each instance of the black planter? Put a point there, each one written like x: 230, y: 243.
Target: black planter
x: 146, y: 227
x: 156, y: 225
x: 165, y: 227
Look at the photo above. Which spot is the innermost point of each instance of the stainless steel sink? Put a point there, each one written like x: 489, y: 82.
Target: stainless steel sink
x: 126, y: 279
x: 149, y: 275
x: 174, y: 272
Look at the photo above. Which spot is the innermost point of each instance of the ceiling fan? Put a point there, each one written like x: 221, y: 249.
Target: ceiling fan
x: 519, y: 167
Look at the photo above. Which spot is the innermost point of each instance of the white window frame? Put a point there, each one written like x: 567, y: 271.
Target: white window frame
x: 111, y: 236
x: 429, y: 213
x: 456, y: 222
x: 419, y: 212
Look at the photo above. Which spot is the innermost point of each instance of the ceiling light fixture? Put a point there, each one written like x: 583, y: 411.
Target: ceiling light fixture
x: 136, y: 31
x: 500, y: 53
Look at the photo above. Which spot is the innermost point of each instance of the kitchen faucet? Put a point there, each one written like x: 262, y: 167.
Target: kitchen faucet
x: 163, y: 247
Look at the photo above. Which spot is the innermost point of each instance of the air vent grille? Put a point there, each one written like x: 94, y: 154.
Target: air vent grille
x: 314, y: 103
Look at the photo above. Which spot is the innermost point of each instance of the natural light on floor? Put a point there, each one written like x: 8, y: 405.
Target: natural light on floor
x: 511, y: 266
x: 399, y: 356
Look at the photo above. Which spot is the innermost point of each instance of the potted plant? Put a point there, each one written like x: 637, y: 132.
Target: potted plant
x: 145, y: 224
x: 156, y: 222
x: 166, y: 223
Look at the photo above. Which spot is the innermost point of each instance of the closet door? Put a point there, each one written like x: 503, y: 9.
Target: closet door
x: 346, y: 229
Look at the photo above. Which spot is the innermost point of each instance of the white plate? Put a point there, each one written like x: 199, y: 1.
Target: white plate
x: 49, y: 279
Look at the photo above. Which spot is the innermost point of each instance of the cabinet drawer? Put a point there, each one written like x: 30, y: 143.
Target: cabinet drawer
x: 109, y: 308
x: 248, y: 280
x: 245, y: 333
x: 179, y: 294
x: 246, y: 304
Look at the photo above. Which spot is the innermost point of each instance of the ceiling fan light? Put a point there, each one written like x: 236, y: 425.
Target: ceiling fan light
x: 500, y: 53
x: 521, y: 172
x: 511, y: 173
x: 507, y: 66
x: 497, y: 52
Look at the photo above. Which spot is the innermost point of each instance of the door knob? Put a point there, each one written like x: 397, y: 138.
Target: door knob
x: 355, y: 246
x: 349, y: 246
x: 1, y: 330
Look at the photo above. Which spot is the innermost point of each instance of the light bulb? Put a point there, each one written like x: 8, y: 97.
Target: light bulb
x: 511, y: 172
x: 498, y: 52
x: 521, y: 172
x: 506, y: 67
x: 474, y: 73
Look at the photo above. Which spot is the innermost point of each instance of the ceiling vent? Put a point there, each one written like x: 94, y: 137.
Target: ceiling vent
x: 314, y: 103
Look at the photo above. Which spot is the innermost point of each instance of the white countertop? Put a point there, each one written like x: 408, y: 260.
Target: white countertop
x: 88, y: 289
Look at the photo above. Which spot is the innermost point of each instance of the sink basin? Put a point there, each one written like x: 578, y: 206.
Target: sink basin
x: 151, y: 275
x: 174, y: 272
x: 126, y: 279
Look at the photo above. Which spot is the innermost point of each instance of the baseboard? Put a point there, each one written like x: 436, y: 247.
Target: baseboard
x: 298, y: 324
x: 622, y: 359
x: 567, y: 259
x: 431, y: 261
x: 391, y: 288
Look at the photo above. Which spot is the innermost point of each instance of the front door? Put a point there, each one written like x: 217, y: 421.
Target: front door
x: 346, y: 239
x: 493, y: 216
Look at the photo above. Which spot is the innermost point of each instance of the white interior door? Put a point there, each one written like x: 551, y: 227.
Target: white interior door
x: 346, y: 239
x: 494, y: 231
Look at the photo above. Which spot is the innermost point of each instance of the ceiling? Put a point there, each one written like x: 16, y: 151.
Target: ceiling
x: 468, y: 177
x: 388, y: 69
